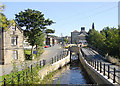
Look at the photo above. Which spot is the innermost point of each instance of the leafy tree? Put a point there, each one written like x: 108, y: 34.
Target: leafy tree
x: 35, y: 24
x: 49, y: 31
x: 107, y: 40
x: 65, y: 40
x: 2, y: 7
x: 3, y: 20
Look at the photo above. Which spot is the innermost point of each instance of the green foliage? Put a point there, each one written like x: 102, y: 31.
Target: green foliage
x: 31, y: 78
x: 107, y: 40
x: 2, y: 7
x: 65, y: 40
x: 3, y: 21
x: 49, y: 31
x: 35, y: 24
x: 28, y: 55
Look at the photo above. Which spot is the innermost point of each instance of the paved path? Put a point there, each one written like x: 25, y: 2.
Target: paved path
x: 93, y: 55
x: 47, y: 55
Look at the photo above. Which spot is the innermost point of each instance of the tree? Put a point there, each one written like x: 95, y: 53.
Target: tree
x: 107, y: 40
x: 65, y: 40
x: 49, y: 31
x: 3, y: 20
x: 2, y: 7
x: 35, y: 23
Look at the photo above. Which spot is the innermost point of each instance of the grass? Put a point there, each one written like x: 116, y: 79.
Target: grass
x: 28, y: 52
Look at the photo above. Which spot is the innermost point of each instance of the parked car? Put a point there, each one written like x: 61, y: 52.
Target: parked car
x: 46, y: 46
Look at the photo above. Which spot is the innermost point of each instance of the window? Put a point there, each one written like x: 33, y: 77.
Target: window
x: 14, y: 40
x: 15, y: 55
x: 14, y: 27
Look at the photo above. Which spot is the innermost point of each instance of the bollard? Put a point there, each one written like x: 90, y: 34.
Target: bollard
x: 114, y: 75
x: 108, y: 71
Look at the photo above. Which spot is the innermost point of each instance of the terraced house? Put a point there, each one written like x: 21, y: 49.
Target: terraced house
x: 12, y: 44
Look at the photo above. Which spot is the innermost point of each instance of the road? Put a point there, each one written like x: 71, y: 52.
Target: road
x: 47, y: 55
x: 93, y: 55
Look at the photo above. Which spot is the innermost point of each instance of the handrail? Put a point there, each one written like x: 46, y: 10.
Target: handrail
x: 107, y: 72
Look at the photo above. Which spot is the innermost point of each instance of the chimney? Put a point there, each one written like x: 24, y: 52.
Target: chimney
x: 82, y: 29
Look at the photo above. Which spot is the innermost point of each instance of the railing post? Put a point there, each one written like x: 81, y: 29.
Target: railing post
x: 31, y: 68
x: 4, y: 81
x: 23, y: 77
x: 114, y: 75
x: 95, y: 64
x: 55, y: 58
x: 108, y: 71
x: 52, y: 60
x: 44, y: 62
x: 28, y: 70
x: 12, y: 80
x: 100, y: 67
x: 104, y: 70
x: 18, y: 78
x: 26, y: 77
x: 40, y: 64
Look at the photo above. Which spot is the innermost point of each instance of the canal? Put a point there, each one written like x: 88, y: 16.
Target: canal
x: 72, y: 73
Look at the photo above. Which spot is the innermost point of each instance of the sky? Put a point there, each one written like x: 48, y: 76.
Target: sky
x: 70, y: 16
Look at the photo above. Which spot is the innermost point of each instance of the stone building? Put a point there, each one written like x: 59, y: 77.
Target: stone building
x: 79, y: 37
x: 12, y: 44
x: 50, y: 40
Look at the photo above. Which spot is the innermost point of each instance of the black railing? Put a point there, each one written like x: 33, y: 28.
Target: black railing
x: 27, y: 76
x: 104, y: 68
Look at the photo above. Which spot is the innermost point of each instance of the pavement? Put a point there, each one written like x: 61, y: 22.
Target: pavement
x: 47, y: 55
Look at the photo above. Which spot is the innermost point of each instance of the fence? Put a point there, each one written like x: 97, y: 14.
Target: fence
x: 104, y: 68
x: 28, y: 75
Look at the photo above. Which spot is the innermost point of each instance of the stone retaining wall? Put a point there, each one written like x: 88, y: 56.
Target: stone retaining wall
x: 95, y: 75
x: 52, y: 67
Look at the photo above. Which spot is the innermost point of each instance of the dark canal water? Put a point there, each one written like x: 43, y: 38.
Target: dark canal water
x: 72, y: 73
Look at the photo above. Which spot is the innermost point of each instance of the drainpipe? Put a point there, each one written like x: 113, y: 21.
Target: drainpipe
x: 2, y: 46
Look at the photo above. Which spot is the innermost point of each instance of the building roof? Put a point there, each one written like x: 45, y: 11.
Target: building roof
x: 83, y: 34
x: 13, y: 23
x: 75, y: 31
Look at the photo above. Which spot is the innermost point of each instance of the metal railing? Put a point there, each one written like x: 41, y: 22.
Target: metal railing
x: 27, y: 74
x: 106, y: 69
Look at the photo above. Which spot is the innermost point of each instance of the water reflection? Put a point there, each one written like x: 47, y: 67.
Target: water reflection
x: 72, y: 74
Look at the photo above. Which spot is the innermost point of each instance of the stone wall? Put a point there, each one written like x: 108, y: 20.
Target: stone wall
x: 52, y: 67
x: 96, y: 76
x: 9, y: 48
